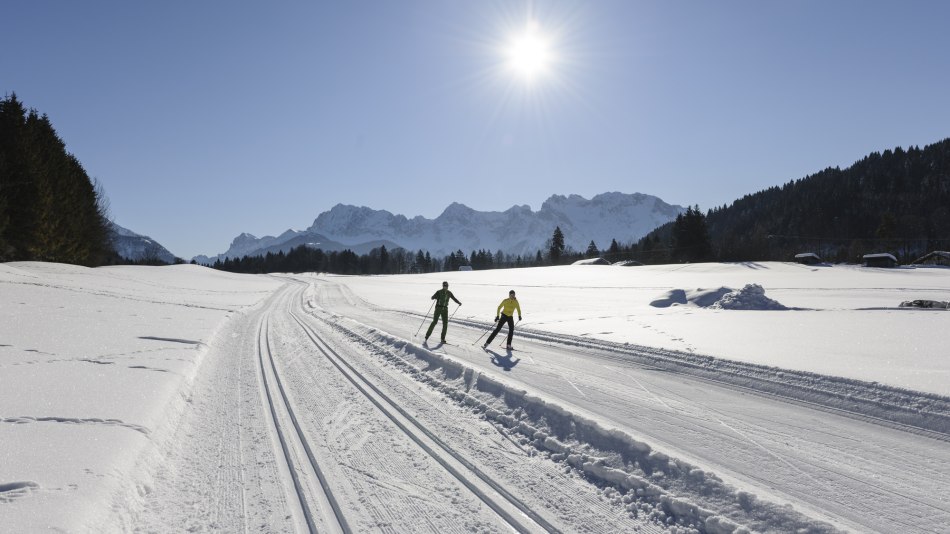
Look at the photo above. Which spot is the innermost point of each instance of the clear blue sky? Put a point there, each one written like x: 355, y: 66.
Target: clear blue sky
x: 205, y: 119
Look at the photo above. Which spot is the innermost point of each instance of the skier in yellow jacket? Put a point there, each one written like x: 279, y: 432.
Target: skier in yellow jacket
x: 505, y: 314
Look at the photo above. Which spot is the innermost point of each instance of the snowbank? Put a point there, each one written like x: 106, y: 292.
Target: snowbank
x: 94, y: 365
x: 647, y: 481
x: 697, y: 297
x: 592, y: 261
x: 750, y: 297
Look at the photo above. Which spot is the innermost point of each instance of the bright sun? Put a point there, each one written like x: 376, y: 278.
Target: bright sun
x: 529, y: 54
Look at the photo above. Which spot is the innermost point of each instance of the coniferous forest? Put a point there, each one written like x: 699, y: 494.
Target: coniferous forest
x: 897, y: 202
x: 49, y: 208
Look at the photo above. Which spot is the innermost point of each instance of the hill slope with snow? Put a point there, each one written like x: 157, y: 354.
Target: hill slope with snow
x: 137, y: 247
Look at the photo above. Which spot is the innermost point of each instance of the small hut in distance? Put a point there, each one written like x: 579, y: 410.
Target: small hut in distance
x: 882, y: 259
x: 807, y: 258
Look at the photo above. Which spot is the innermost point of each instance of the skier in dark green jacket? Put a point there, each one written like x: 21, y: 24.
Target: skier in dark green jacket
x: 441, y: 298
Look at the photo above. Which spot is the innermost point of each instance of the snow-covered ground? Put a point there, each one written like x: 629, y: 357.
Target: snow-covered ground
x: 685, y: 398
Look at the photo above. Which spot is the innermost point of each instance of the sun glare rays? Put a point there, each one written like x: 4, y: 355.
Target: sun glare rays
x: 530, y: 69
x: 529, y: 54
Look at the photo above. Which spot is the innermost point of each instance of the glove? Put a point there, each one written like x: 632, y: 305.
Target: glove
x: 519, y: 317
x: 496, y: 318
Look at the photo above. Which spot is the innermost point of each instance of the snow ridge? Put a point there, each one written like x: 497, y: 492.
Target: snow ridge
x: 645, y: 481
x: 924, y: 413
x: 136, y: 247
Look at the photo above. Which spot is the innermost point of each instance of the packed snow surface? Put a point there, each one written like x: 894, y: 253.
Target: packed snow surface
x: 727, y: 398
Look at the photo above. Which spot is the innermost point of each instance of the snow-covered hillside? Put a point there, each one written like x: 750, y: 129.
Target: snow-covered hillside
x: 706, y: 398
x: 137, y: 247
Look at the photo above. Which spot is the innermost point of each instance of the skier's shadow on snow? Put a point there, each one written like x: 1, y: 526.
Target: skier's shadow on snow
x: 503, y: 360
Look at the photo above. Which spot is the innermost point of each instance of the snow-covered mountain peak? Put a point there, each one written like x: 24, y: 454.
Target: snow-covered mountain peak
x: 524, y: 208
x: 347, y: 219
x: 517, y: 230
x: 455, y: 211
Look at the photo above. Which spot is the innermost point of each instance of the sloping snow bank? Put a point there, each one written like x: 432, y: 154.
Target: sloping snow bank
x: 645, y: 481
x: 698, y: 297
x: 750, y: 297
x: 95, y: 364
x: 926, y: 412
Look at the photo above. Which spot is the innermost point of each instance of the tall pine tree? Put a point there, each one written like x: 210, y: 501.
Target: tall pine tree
x: 691, y: 237
x: 50, y: 210
x: 556, y: 249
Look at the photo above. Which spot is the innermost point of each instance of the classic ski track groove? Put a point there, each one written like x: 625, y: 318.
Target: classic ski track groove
x: 296, y: 439
x: 403, y: 419
x: 616, y: 354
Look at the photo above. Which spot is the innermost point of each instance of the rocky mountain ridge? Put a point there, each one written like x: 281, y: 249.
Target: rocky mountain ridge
x: 517, y: 230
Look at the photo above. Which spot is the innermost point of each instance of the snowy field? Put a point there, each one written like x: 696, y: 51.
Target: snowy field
x: 843, y: 321
x: 712, y: 398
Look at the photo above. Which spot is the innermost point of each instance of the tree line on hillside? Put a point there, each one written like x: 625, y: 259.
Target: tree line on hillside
x: 896, y: 202
x: 49, y: 208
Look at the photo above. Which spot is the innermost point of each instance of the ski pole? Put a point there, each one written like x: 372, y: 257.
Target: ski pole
x: 424, y: 319
x: 456, y: 309
x: 485, y: 332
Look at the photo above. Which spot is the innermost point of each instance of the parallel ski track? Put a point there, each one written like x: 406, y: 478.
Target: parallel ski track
x: 411, y: 426
x: 629, y: 355
x: 673, y: 362
x: 295, y: 438
x: 667, y: 361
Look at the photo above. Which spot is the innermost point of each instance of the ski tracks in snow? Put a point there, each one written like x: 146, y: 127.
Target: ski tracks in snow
x: 820, y: 441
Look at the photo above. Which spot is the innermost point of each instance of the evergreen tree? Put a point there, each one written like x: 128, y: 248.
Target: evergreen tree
x: 383, y: 260
x: 613, y: 253
x: 691, y: 237
x: 51, y: 210
x: 592, y: 251
x: 557, y: 246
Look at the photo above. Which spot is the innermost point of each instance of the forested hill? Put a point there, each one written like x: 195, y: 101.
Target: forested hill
x: 49, y: 208
x: 897, y: 202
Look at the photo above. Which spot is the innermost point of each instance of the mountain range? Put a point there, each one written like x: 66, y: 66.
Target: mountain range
x: 137, y: 247
x: 517, y: 230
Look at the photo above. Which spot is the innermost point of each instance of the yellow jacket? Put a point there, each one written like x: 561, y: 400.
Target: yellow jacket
x: 508, y: 306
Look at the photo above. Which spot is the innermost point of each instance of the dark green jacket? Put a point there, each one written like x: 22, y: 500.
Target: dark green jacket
x: 441, y: 298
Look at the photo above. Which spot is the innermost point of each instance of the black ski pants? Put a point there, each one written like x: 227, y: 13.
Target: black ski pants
x: 501, y: 322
